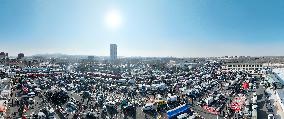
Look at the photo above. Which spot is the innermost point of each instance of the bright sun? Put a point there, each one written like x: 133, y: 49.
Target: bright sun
x: 113, y: 19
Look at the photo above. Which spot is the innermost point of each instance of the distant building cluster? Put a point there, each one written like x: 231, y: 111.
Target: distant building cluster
x: 234, y: 57
x: 3, y: 55
x: 91, y: 58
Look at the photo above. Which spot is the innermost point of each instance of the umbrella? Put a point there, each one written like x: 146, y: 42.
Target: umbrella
x: 245, y: 85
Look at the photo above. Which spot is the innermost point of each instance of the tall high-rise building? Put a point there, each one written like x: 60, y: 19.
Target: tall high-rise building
x: 2, y: 55
x: 21, y: 55
x: 113, y: 51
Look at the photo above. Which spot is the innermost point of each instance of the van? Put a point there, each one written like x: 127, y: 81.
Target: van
x: 172, y: 98
x: 270, y: 116
x: 183, y: 116
x: 110, y: 104
x: 31, y: 94
x: 149, y: 107
x: 31, y: 101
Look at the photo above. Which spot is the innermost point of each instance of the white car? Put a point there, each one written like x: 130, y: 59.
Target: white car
x: 149, y: 107
x: 254, y: 87
x: 183, y: 116
x: 110, y: 104
x: 270, y: 116
x: 172, y: 98
x: 254, y: 94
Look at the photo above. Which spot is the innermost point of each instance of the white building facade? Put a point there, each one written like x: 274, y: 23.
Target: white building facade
x: 254, y: 68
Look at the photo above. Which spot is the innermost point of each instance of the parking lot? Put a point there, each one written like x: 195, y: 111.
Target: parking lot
x: 135, y: 91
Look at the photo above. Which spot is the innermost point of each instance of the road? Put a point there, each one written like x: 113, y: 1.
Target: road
x: 261, y: 103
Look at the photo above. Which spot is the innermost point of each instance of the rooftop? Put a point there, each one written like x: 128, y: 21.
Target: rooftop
x: 280, y: 73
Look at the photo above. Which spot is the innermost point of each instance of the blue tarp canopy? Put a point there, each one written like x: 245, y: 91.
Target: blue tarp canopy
x: 172, y: 114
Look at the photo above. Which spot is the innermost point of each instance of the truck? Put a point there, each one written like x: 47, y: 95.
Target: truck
x: 254, y: 114
x: 121, y: 81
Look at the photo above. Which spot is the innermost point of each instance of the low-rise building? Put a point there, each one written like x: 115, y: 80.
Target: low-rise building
x: 254, y: 68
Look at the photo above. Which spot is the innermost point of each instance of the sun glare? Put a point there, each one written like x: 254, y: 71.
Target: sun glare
x: 113, y: 19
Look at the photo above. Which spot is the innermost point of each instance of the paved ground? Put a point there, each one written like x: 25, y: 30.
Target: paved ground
x: 261, y: 103
x: 35, y: 108
x: 262, y: 110
x: 204, y: 113
x: 277, y: 111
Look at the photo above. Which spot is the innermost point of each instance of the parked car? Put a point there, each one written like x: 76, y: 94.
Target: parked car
x: 149, y: 107
x: 270, y: 116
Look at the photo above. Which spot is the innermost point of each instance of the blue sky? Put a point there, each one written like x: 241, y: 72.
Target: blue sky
x: 182, y: 28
